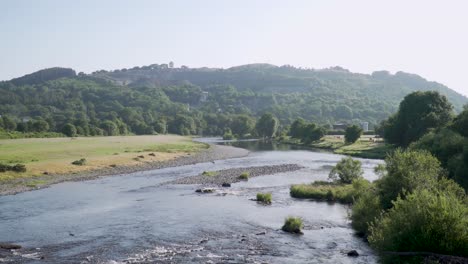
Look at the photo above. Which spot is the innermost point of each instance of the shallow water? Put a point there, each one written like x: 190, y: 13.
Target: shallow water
x: 136, y: 218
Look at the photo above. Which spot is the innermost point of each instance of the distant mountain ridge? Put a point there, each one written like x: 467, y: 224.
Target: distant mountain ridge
x: 325, y: 96
x: 268, y: 78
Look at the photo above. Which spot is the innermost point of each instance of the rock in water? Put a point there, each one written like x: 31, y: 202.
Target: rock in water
x: 353, y: 253
x: 226, y: 184
x: 205, y: 190
x: 9, y: 246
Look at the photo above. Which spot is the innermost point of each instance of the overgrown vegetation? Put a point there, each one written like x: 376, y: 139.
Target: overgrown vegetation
x: 413, y: 208
x: 347, y: 170
x: 159, y: 99
x: 330, y: 191
x: 14, y: 168
x: 264, y: 198
x: 425, y: 121
x: 210, y: 173
x: 79, y: 162
x: 352, y: 134
x: 292, y: 225
x: 244, y: 176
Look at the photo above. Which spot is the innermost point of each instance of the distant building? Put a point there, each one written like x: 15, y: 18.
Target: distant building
x: 364, y: 126
x: 204, y: 97
x: 340, y: 126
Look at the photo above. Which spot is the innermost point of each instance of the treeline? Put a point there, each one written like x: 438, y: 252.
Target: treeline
x: 426, y: 121
x: 413, y: 213
x: 417, y: 210
x: 83, y: 106
x: 323, y: 96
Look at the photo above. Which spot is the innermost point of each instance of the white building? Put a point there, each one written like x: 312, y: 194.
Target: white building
x: 365, y: 126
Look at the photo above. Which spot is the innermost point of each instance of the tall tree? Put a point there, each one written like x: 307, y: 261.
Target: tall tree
x: 418, y: 113
x: 267, y: 125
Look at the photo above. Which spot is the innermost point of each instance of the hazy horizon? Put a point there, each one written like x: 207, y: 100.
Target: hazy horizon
x: 427, y: 38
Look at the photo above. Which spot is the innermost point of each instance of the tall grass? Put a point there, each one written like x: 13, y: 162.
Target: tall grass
x: 264, y: 198
x: 330, y: 191
x: 292, y: 225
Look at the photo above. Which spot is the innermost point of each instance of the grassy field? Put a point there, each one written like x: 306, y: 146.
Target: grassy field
x: 55, y: 155
x: 365, y: 147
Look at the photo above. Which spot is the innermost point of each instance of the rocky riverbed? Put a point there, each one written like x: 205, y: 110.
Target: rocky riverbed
x: 228, y: 176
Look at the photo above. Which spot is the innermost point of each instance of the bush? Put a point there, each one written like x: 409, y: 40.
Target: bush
x: 244, y: 176
x: 329, y: 191
x: 19, y: 168
x: 404, y: 171
x: 352, y: 134
x: 346, y: 170
x: 425, y: 221
x: 228, y: 136
x: 365, y: 210
x: 209, y: 173
x: 79, y: 162
x: 292, y: 225
x: 264, y: 198
x: 15, y: 168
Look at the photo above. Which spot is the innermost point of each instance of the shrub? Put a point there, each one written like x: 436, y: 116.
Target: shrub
x: 365, y: 210
x: 4, y: 167
x: 425, y: 221
x: 209, y: 173
x: 19, y: 168
x: 228, y: 135
x: 330, y: 191
x: 352, y: 134
x: 346, y: 170
x: 404, y: 171
x: 244, y: 176
x: 264, y: 198
x: 79, y: 162
x: 15, y: 168
x: 292, y: 225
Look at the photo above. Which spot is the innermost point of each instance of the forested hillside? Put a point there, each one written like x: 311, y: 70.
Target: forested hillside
x: 327, y: 95
x: 160, y: 98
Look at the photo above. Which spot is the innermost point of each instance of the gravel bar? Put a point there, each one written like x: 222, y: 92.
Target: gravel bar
x: 232, y: 175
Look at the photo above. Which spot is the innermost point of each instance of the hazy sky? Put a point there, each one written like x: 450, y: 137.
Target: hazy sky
x: 429, y: 38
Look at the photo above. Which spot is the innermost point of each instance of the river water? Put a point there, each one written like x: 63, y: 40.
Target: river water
x: 136, y: 218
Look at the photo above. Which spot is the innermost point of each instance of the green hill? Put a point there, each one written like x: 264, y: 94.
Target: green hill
x: 154, y: 98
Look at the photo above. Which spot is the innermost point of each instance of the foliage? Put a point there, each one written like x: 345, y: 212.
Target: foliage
x: 228, y: 135
x: 352, y: 134
x: 264, y: 198
x: 404, y: 171
x: 244, y: 176
x: 424, y: 221
x: 460, y: 123
x: 306, y: 132
x: 292, y: 225
x: 267, y: 125
x: 418, y: 113
x: 329, y: 191
x: 346, y: 170
x: 14, y: 168
x: 79, y: 162
x: 158, y: 99
x: 242, y: 125
x: 365, y: 209
x: 69, y: 130
x: 210, y: 173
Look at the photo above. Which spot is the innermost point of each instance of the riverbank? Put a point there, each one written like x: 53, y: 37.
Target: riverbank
x: 104, y: 156
x: 366, y: 147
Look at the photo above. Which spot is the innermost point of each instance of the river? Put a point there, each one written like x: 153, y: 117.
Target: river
x: 136, y: 218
